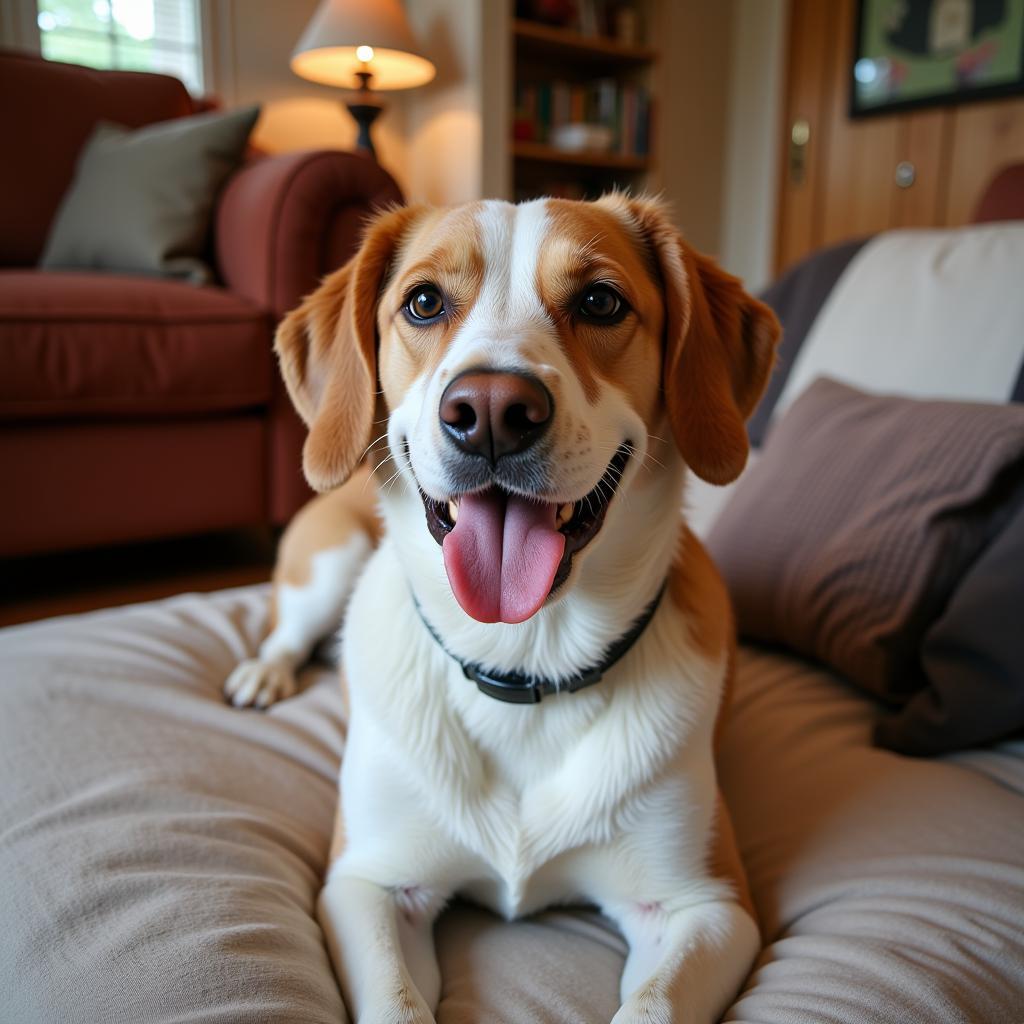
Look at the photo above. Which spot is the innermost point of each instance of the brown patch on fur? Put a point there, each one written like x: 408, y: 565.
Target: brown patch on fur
x: 697, y: 590
x: 725, y: 861
x: 443, y: 249
x: 589, y: 243
x: 327, y: 521
x: 328, y: 354
x: 719, y: 346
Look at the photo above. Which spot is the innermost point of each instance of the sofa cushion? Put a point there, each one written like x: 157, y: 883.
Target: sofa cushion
x: 923, y: 313
x: 142, y: 201
x: 80, y: 344
x: 40, y: 149
x: 161, y: 851
x: 78, y: 483
x: 796, y: 298
x: 847, y: 538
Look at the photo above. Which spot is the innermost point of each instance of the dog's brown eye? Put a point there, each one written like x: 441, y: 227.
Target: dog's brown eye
x: 425, y: 303
x: 601, y: 302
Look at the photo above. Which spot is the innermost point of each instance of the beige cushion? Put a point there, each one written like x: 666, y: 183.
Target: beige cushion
x: 924, y: 313
x: 160, y: 852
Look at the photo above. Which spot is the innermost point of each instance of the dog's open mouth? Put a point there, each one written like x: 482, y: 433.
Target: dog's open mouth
x: 505, y: 554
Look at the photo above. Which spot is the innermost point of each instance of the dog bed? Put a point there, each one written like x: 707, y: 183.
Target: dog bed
x: 160, y: 851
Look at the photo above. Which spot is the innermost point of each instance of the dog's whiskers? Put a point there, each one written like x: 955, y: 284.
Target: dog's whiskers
x: 384, y: 487
x: 633, y: 453
x: 374, y: 442
x: 388, y: 458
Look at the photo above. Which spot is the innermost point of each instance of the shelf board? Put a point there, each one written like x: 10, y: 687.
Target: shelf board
x: 539, y: 153
x: 548, y: 41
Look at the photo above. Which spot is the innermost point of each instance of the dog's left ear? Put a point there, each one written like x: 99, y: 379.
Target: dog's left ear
x: 327, y: 350
x: 719, y: 350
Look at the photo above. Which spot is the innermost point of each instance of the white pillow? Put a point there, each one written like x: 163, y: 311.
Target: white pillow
x: 923, y: 313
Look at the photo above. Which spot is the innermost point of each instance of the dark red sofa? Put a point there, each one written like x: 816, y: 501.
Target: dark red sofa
x: 135, y: 407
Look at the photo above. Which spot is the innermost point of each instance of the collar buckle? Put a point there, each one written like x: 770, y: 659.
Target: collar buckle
x: 510, y: 690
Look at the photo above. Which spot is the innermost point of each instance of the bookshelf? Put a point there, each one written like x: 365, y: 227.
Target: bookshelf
x: 536, y: 38
x: 564, y: 76
x: 536, y: 152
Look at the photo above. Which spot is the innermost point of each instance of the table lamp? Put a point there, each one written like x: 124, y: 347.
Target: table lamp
x: 365, y: 45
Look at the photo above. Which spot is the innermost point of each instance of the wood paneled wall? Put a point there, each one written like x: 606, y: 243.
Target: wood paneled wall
x: 843, y: 181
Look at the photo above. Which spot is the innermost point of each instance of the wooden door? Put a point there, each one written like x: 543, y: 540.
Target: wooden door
x: 812, y: 24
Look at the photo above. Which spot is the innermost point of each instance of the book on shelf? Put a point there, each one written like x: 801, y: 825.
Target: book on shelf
x: 624, y: 108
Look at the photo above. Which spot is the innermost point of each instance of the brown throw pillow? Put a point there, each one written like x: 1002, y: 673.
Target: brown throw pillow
x: 847, y: 538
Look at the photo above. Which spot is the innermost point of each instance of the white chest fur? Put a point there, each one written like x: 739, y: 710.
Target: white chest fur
x: 447, y: 790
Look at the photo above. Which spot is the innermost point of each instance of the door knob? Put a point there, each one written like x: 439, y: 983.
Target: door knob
x: 906, y: 174
x: 799, y: 136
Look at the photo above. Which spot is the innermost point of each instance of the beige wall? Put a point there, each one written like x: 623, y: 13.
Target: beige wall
x: 695, y: 40
x: 755, y: 130
x: 430, y: 139
x: 457, y: 127
x: 444, y: 120
x: 252, y: 41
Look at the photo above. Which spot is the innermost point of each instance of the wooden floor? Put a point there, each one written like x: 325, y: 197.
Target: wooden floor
x: 42, y: 586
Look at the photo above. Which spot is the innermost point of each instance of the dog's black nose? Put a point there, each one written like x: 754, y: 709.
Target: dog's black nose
x: 495, y: 414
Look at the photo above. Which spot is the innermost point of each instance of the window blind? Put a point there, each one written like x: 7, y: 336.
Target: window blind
x: 133, y: 35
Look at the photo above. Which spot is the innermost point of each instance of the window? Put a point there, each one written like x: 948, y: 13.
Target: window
x: 133, y: 35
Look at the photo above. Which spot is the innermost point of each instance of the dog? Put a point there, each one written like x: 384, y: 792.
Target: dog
x: 536, y: 650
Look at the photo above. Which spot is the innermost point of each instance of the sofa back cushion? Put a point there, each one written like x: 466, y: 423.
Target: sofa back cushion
x: 930, y: 280
x: 797, y: 297
x: 48, y: 110
x: 923, y: 313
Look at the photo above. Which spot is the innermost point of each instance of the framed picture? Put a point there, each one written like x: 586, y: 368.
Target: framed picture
x: 918, y: 53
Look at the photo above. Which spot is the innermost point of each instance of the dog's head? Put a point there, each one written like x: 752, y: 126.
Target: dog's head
x: 523, y: 362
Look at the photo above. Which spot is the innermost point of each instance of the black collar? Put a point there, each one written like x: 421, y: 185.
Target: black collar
x: 516, y: 688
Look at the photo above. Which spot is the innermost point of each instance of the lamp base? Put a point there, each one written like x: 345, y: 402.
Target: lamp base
x: 365, y: 111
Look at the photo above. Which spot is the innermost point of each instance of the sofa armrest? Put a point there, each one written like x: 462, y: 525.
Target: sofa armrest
x: 285, y: 221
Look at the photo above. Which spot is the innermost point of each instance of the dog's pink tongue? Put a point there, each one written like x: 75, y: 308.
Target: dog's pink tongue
x: 502, y: 556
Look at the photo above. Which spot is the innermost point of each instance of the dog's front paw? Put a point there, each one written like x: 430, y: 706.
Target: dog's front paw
x: 649, y: 1005
x: 260, y: 683
x: 406, y: 1006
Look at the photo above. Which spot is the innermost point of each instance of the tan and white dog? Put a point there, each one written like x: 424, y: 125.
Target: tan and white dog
x: 540, y: 377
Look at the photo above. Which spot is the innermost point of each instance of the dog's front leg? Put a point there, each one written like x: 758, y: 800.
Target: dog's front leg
x: 685, y: 965
x: 382, y: 949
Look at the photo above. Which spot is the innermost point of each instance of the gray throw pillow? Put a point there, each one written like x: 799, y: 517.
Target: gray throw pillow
x: 848, y: 538
x: 141, y: 201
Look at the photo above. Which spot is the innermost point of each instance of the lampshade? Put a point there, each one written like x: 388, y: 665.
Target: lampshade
x: 326, y: 53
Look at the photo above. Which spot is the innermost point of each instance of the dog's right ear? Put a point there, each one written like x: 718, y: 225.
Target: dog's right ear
x: 719, y: 347
x: 327, y: 349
